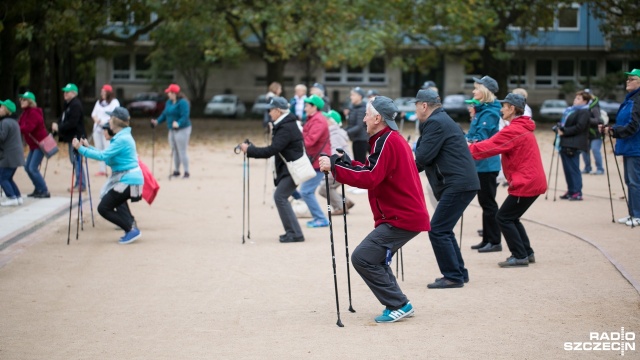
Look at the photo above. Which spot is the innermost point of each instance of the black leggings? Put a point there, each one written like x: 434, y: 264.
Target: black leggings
x: 114, y: 208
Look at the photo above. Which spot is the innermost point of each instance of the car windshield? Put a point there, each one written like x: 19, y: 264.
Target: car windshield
x: 222, y: 99
x: 145, y: 96
x: 454, y: 99
x: 554, y: 104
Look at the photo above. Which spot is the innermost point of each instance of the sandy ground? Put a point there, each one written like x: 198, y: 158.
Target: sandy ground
x: 189, y: 289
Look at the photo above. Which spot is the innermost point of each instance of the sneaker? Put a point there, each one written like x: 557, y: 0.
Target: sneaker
x: 186, y: 175
x: 479, y: 245
x: 44, y: 195
x: 490, y: 248
x: 290, y: 238
x: 32, y: 194
x: 565, y: 196
x: 20, y: 200
x: 576, y: 197
x: 585, y: 171
x: 513, y: 262
x: 317, y: 223
x: 133, y: 235
x: 176, y: 173
x: 597, y: 172
x: 10, y: 202
x: 389, y: 316
x: 532, y: 258
x: 624, y: 219
x: 444, y: 283
x: 635, y: 222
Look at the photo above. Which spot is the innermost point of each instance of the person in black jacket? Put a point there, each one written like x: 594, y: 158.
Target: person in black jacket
x: 72, y: 127
x: 286, y: 140
x: 442, y: 152
x: 356, y: 128
x: 573, y: 133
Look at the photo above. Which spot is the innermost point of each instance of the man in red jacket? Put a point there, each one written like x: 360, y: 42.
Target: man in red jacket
x: 523, y: 169
x: 396, y: 199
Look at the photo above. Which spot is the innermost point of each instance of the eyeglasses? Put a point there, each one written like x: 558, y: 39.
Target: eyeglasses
x: 632, y: 79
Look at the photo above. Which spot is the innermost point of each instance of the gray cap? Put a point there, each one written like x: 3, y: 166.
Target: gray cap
x: 319, y: 86
x: 515, y: 99
x: 428, y: 96
x: 358, y: 90
x: 106, y: 126
x: 387, y: 109
x: 120, y: 113
x: 427, y: 84
x: 278, y: 102
x: 488, y: 82
x: 372, y: 92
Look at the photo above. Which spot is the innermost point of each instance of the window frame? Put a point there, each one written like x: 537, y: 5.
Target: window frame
x: 365, y: 77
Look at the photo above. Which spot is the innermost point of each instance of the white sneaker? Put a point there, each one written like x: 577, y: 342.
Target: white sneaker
x: 10, y: 202
x: 635, y: 221
x: 624, y: 220
x: 20, y: 201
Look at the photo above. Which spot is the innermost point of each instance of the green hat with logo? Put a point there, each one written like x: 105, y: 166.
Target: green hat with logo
x: 70, y: 87
x: 28, y: 95
x: 333, y: 115
x: 634, y: 72
x: 9, y: 105
x: 315, y: 100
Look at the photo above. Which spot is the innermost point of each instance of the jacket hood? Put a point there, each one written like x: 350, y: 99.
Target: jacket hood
x: 525, y: 122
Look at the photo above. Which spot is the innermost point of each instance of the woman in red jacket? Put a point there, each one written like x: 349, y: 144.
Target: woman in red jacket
x: 32, y: 128
x: 523, y: 169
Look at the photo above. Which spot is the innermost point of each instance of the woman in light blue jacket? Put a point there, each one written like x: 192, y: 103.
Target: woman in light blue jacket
x: 483, y: 126
x: 176, y: 114
x: 126, y: 179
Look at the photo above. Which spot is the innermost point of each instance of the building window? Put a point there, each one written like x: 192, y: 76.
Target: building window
x: 568, y: 17
x: 613, y: 66
x: 472, y: 69
x: 588, y: 68
x: 135, y: 67
x: 517, y: 73
x: 544, y: 73
x: 372, y: 74
x: 634, y: 65
x: 566, y: 71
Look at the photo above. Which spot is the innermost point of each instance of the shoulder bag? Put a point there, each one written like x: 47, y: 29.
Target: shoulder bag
x: 300, y: 170
x: 48, y: 145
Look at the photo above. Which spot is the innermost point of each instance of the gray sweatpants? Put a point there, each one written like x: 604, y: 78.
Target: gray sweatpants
x: 179, y: 141
x: 369, y: 261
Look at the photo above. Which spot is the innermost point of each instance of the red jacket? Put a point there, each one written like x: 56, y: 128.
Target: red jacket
x: 32, y: 126
x: 390, y: 174
x: 521, y: 161
x: 316, y: 137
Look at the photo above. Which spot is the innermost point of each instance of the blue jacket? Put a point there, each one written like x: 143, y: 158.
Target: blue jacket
x: 484, y: 125
x: 292, y: 109
x: 121, y: 155
x: 178, y: 111
x: 627, y: 125
x: 443, y: 154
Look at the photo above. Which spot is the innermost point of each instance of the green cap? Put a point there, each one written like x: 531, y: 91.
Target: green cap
x: 333, y: 115
x: 28, y: 95
x: 634, y: 72
x: 473, y: 102
x: 9, y: 105
x: 70, y: 87
x: 315, y: 100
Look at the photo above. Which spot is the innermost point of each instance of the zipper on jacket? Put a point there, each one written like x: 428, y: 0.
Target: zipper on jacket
x: 378, y: 206
x: 444, y: 181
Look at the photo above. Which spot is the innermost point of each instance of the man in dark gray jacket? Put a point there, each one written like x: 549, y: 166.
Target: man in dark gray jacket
x: 11, y: 153
x: 356, y: 128
x: 442, y: 152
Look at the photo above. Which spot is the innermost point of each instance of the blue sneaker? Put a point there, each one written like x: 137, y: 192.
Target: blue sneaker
x: 133, y: 235
x: 317, y: 223
x: 389, y: 316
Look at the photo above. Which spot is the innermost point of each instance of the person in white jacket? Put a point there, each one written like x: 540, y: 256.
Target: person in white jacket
x: 339, y: 139
x: 106, y: 103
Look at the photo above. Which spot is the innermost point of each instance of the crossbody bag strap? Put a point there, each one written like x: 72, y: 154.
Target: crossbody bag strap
x: 322, y: 147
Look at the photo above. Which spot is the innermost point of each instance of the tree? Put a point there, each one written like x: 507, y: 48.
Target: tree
x: 619, y: 20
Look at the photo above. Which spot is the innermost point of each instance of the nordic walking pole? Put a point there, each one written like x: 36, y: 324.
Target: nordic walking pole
x: 153, y: 149
x: 606, y: 164
x: 248, y: 199
x: 78, y: 221
x: 401, y: 264
x: 555, y: 186
x: 346, y: 245
x: 86, y: 163
x: 624, y: 192
x: 46, y: 164
x: 244, y: 189
x: 171, y: 161
x: 333, y: 254
x: 73, y: 170
x: 461, y: 224
x: 553, y: 153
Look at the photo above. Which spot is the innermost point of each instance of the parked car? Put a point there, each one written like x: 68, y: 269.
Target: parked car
x: 260, y: 106
x: 553, y: 109
x: 407, y: 108
x: 455, y: 106
x: 147, y: 104
x: 611, y: 108
x: 225, y: 105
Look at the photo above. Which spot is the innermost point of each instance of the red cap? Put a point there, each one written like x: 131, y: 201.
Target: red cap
x: 173, y: 88
x: 107, y: 87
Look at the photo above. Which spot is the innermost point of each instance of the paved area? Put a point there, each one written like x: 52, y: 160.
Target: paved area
x: 188, y: 289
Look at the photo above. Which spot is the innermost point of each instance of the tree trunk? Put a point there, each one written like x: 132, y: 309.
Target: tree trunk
x: 275, y: 71
x: 496, y: 68
x: 7, y: 61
